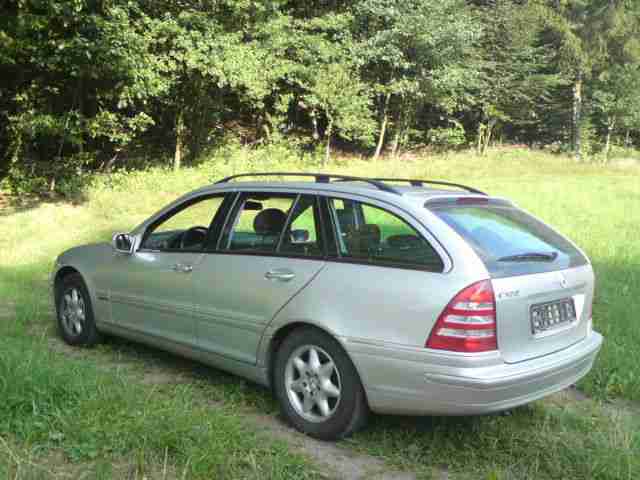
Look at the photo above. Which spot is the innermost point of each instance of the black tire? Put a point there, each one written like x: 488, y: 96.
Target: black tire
x: 88, y: 334
x: 351, y: 410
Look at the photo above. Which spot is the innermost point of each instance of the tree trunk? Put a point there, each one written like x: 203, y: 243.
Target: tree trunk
x: 627, y: 139
x: 577, y: 115
x: 397, y: 138
x: 487, y: 136
x: 80, y: 94
x: 383, y: 127
x: 177, y: 156
x: 481, y: 131
x: 611, y: 123
x: 314, y: 122
x: 395, y: 144
x: 328, y: 133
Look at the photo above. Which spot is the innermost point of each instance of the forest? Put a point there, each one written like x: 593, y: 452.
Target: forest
x: 95, y: 85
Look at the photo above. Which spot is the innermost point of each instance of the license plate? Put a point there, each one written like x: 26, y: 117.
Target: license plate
x: 552, y: 315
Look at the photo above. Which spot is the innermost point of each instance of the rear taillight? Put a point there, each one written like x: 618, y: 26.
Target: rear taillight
x: 468, y: 323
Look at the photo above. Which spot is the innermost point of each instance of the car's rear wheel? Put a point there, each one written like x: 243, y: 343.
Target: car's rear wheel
x: 318, y: 387
x: 76, y: 322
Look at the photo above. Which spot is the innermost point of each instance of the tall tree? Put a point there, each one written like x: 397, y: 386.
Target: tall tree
x: 76, y: 80
x: 513, y: 76
x: 412, y: 53
x: 590, y: 35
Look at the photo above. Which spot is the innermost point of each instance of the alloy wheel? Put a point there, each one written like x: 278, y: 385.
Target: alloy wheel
x: 312, y: 383
x: 73, y: 312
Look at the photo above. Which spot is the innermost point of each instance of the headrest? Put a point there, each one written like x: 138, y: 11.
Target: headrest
x: 269, y: 221
x: 360, y: 240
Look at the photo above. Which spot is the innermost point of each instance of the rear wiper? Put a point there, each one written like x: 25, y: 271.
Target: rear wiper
x: 530, y: 257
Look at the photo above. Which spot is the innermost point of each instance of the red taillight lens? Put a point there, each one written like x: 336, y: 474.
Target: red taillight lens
x: 468, y: 323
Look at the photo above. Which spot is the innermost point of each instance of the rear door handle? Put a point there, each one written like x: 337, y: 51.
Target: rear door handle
x: 182, y: 268
x: 281, y: 274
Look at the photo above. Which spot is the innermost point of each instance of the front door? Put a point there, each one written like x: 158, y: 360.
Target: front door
x: 151, y: 290
x: 271, y: 249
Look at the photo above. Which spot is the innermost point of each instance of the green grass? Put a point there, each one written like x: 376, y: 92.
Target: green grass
x: 74, y: 407
x: 59, y: 407
x: 559, y: 440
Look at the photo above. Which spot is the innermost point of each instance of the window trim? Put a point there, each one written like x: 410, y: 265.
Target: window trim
x: 337, y: 257
x: 149, y: 229
x: 234, y: 214
x: 328, y: 228
x: 318, y: 225
x: 287, y: 222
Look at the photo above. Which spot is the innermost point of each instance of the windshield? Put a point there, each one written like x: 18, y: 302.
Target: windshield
x: 508, y: 240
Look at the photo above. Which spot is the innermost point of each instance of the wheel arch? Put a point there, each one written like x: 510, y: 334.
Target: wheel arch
x: 66, y: 270
x: 62, y: 273
x: 284, y: 331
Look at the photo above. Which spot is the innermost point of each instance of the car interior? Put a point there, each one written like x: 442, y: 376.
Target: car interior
x: 364, y: 232
x: 261, y: 221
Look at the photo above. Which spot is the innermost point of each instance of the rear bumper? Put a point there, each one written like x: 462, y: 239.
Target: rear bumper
x: 421, y: 382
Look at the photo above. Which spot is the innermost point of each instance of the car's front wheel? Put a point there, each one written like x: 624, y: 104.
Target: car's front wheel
x: 75, y: 313
x: 318, y: 387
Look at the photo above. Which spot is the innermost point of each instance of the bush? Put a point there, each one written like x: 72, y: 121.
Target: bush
x: 447, y: 137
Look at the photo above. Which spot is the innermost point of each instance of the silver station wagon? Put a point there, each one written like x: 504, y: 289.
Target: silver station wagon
x: 346, y: 295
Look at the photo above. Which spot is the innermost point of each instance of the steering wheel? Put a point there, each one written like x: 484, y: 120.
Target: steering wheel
x: 193, y: 236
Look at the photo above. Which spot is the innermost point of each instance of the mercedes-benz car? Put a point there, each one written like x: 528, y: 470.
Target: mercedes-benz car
x: 346, y: 295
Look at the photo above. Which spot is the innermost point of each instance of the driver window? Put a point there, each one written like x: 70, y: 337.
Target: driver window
x: 185, y: 230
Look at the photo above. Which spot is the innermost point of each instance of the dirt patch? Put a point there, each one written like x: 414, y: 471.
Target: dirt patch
x: 622, y: 409
x: 339, y: 461
x: 7, y: 310
x: 574, y: 394
x: 153, y: 377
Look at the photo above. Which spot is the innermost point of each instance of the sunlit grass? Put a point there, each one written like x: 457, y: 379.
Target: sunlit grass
x: 595, y: 206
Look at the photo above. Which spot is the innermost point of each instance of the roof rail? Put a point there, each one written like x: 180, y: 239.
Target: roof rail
x: 420, y: 183
x: 319, y: 177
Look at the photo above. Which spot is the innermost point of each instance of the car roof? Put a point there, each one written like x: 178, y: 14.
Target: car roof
x: 400, y: 194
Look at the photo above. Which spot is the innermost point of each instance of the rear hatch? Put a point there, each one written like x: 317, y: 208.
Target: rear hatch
x: 543, y: 284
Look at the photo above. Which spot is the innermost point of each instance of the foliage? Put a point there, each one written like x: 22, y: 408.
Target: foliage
x: 447, y: 137
x: 86, y: 86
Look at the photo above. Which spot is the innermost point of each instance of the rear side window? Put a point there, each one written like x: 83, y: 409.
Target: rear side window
x: 374, y: 235
x: 259, y: 222
x: 266, y: 223
x: 301, y: 235
x: 509, y: 241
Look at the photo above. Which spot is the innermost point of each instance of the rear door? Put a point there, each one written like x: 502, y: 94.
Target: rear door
x: 542, y: 283
x: 270, y: 249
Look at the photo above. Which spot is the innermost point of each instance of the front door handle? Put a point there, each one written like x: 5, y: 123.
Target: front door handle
x: 281, y: 274
x: 182, y: 268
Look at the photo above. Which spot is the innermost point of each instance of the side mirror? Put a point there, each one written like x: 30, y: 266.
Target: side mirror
x: 299, y: 236
x: 123, y: 243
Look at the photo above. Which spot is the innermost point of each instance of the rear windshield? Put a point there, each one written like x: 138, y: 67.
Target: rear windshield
x: 509, y: 241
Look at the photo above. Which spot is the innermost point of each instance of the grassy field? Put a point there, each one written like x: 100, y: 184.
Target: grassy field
x: 73, y: 408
